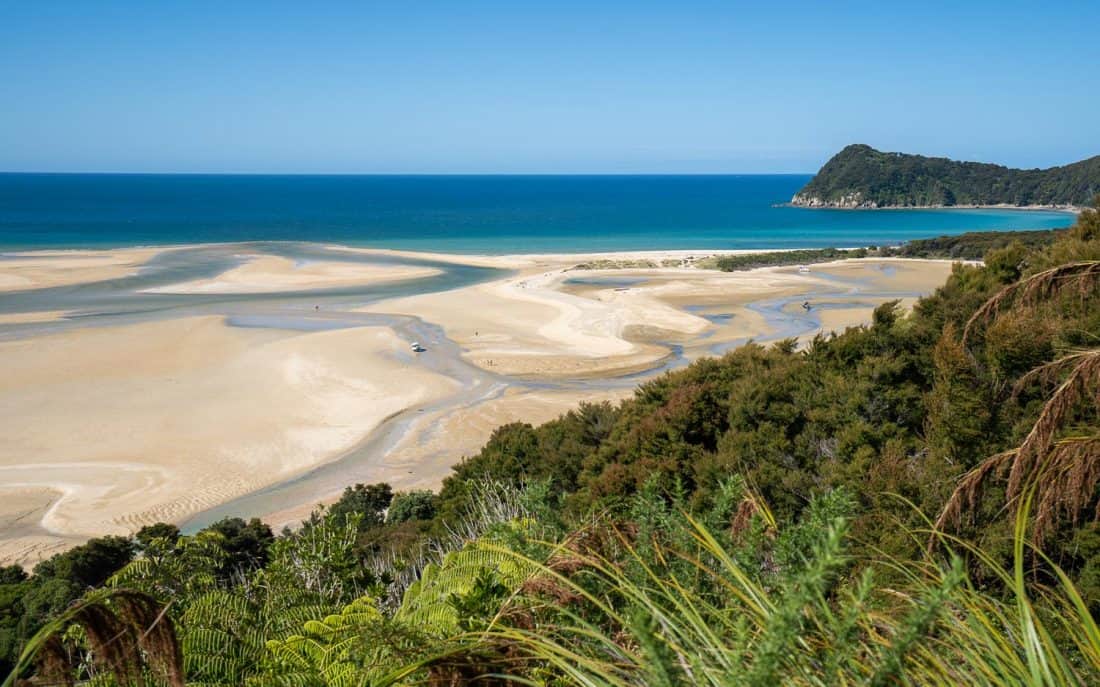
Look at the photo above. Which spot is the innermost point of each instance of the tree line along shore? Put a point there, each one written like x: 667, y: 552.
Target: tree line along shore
x: 967, y: 246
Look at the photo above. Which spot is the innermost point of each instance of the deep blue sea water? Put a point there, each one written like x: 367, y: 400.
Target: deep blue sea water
x: 473, y: 214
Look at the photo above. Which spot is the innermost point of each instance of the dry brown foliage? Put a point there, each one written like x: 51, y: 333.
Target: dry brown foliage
x: 1080, y: 277
x: 1065, y: 472
x: 742, y: 518
x: 968, y: 492
x: 53, y: 666
x: 578, y: 551
x: 158, y: 641
x: 1067, y: 484
x: 1080, y: 386
x: 127, y: 633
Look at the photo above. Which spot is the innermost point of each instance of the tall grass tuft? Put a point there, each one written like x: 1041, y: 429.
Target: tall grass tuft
x: 637, y: 619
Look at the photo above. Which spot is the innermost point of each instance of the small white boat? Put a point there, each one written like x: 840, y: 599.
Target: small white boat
x: 802, y: 269
x: 416, y: 347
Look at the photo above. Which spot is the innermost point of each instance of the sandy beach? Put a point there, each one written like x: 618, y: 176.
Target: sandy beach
x: 110, y: 422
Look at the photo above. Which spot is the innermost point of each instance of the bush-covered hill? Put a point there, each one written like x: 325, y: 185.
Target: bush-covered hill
x: 861, y: 177
x: 911, y: 502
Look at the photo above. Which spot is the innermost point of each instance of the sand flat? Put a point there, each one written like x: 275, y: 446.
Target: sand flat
x: 422, y: 462
x: 42, y: 269
x: 156, y: 421
x: 32, y: 317
x: 535, y: 324
x: 106, y: 429
x: 272, y: 273
x: 529, y: 325
x: 524, y: 326
x: 888, y: 274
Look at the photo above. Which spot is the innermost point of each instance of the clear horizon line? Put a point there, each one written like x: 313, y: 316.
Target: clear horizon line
x: 407, y: 174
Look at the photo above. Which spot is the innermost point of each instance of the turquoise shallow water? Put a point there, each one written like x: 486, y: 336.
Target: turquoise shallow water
x: 471, y: 214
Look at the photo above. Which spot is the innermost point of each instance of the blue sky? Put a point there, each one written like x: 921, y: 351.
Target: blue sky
x: 412, y: 86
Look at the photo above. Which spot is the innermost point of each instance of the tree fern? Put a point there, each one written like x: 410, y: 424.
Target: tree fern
x: 324, y: 652
x: 175, y: 570
x: 429, y: 602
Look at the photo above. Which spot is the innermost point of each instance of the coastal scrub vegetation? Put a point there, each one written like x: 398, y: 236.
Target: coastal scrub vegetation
x: 914, y: 501
x: 860, y: 176
x: 969, y: 246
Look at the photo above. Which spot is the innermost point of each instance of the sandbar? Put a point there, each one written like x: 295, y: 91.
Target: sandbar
x: 46, y: 268
x: 272, y: 273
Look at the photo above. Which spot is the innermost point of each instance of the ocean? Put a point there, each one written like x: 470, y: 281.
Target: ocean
x: 463, y: 214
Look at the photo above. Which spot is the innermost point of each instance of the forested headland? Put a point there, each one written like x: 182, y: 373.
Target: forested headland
x: 861, y: 177
x: 910, y: 502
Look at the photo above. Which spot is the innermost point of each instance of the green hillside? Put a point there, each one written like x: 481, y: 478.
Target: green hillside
x: 861, y: 177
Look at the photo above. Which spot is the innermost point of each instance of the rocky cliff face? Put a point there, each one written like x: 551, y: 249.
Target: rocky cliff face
x: 850, y: 201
